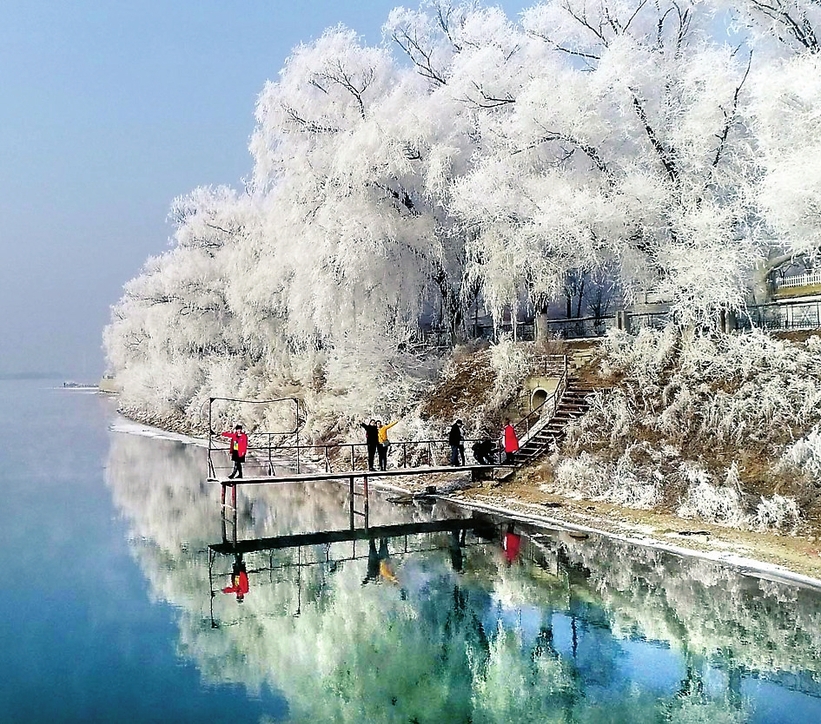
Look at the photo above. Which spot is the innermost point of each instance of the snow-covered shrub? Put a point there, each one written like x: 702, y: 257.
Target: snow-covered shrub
x: 733, y: 388
x: 805, y: 454
x: 583, y: 474
x: 625, y: 483
x: 709, y: 502
x: 511, y: 363
x: 714, y: 504
x: 777, y: 513
x: 704, y: 400
x: 632, y: 483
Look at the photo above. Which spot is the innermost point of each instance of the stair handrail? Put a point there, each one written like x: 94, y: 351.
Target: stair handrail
x: 550, y: 404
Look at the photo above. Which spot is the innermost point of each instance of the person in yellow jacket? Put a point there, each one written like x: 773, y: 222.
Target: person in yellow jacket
x: 384, y: 443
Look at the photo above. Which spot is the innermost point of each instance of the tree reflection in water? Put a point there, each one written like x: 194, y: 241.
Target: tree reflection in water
x: 575, y: 631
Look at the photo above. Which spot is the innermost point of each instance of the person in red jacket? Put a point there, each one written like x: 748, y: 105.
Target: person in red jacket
x: 239, y: 580
x: 239, y: 446
x: 511, y: 442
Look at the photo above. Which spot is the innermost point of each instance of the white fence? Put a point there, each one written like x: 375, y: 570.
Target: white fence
x: 801, y: 280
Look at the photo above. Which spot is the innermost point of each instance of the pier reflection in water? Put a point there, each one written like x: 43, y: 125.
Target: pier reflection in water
x: 460, y: 624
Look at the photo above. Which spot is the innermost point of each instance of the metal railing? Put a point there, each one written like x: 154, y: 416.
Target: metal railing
x: 537, y: 418
x: 781, y: 316
x: 550, y: 365
x: 580, y: 327
x: 255, y: 439
x: 348, y: 456
x: 267, y: 449
x: 650, y: 320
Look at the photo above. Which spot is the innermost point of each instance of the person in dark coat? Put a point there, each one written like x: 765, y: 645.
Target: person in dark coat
x: 456, y: 440
x: 371, y: 440
x: 483, y: 451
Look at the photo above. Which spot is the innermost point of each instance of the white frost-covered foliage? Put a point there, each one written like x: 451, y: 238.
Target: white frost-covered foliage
x: 777, y: 513
x: 787, y: 113
x: 804, y: 455
x: 735, y: 397
x: 511, y: 363
x: 737, y: 388
x: 623, y: 483
x: 470, y: 159
x: 714, y: 503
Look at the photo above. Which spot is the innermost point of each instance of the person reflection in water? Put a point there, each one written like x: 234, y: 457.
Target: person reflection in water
x: 239, y: 579
x: 511, y: 543
x: 380, y: 565
x: 455, y: 544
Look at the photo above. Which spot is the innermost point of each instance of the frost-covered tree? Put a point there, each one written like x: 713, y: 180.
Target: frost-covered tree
x: 617, y: 136
x: 473, y: 159
x: 356, y: 158
x: 787, y: 111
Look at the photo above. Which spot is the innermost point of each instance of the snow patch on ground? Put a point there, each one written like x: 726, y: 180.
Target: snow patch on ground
x: 129, y: 427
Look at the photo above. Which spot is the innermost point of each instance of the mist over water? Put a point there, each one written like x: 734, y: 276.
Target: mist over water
x: 116, y: 610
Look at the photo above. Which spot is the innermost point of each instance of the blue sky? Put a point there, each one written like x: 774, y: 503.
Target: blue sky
x: 108, y: 110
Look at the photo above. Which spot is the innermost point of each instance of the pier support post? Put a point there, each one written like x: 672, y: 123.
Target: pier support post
x: 351, y: 493
x: 365, y: 509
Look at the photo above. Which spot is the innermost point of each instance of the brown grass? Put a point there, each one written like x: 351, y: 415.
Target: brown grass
x: 471, y: 378
x: 796, y: 336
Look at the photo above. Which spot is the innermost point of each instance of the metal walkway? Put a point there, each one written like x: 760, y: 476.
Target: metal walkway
x: 477, y: 472
x: 345, y: 474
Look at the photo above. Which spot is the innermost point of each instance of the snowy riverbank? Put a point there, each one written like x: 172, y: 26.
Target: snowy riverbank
x: 771, y: 556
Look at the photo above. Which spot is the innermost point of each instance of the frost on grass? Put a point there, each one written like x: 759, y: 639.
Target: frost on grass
x: 699, y: 421
x: 804, y: 455
x: 719, y: 504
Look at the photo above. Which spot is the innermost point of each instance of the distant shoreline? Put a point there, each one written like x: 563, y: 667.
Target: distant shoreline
x: 14, y: 376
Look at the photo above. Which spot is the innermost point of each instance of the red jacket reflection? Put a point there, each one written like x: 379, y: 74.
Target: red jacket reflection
x: 239, y: 584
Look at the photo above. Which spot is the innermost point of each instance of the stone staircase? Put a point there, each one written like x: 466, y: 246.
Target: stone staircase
x: 574, y: 403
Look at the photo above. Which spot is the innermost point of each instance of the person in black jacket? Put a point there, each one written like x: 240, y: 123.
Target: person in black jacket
x: 483, y: 451
x: 456, y: 440
x: 371, y: 439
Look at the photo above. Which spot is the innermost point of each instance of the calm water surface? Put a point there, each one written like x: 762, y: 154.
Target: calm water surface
x: 113, y: 607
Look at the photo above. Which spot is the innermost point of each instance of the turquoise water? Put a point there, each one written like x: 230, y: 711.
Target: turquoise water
x: 113, y: 610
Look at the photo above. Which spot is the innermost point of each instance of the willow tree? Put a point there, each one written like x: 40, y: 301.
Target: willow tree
x: 356, y: 155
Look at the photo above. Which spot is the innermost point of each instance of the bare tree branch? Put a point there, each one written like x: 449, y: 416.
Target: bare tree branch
x: 729, y: 117
x: 421, y: 58
x: 666, y: 155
